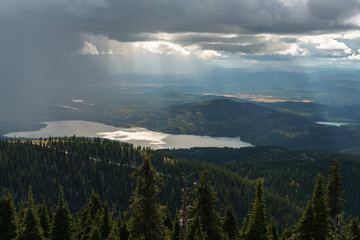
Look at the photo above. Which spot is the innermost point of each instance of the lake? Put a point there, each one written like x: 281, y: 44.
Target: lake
x: 336, y: 124
x: 135, y: 135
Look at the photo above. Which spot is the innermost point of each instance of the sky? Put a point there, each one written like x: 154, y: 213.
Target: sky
x: 230, y: 33
x: 44, y: 42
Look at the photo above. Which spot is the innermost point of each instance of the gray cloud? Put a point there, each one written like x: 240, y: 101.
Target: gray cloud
x: 40, y: 39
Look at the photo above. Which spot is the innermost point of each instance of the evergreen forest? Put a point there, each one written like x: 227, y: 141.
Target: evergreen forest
x: 80, y: 188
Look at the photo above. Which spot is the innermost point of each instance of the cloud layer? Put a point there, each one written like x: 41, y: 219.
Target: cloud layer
x: 49, y: 47
x: 50, y: 32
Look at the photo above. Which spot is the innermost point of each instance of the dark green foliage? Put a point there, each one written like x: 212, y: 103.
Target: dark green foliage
x: 257, y: 228
x: 273, y: 231
x: 69, y: 162
x: 95, y: 234
x: 21, y: 214
x: 242, y: 231
x: 232, y: 189
x: 286, y: 234
x: 354, y: 229
x: 334, y: 191
x: 62, y: 224
x: 196, y: 231
x: 106, y: 222
x: 31, y: 230
x: 124, y: 233
x: 44, y: 220
x: 168, y: 222
x: 287, y: 172
x: 204, y: 208
x: 175, y: 233
x: 8, y: 224
x: 86, y: 225
x: 94, y: 205
x: 146, y: 220
x: 230, y: 226
x: 321, y: 220
x: 305, y: 228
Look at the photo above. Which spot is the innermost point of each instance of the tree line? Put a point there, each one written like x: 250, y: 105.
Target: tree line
x: 198, y: 219
x: 82, y: 164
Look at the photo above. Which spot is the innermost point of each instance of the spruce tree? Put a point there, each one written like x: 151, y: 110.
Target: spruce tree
x: 106, y: 222
x: 8, y: 224
x: 124, y: 233
x: 21, y: 214
x: 146, y: 221
x: 287, y: 232
x: 175, y: 233
x: 257, y: 228
x: 230, y: 226
x: 95, y: 234
x: 305, y: 228
x: 334, y: 191
x: 168, y: 222
x: 354, y: 229
x: 273, y: 232
x: 62, y: 225
x: 87, y: 226
x: 31, y: 229
x: 242, y: 232
x: 196, y: 230
x: 204, y: 208
x: 44, y: 220
x: 321, y: 222
x: 94, y: 205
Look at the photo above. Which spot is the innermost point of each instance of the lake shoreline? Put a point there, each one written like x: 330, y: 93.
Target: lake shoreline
x: 137, y: 136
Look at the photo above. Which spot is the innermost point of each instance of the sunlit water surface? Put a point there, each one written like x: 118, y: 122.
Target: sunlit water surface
x: 336, y: 124
x: 135, y: 135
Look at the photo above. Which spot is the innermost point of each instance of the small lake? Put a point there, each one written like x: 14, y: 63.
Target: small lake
x: 135, y: 135
x: 336, y: 124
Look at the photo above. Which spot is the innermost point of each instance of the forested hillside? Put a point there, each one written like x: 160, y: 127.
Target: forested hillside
x: 80, y: 164
x: 288, y: 172
x: 145, y: 216
x: 252, y: 123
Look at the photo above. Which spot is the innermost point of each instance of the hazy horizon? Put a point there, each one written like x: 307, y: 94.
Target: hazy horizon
x: 63, y: 48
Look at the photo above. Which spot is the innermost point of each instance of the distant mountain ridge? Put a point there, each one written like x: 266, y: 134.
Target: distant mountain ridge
x: 252, y: 123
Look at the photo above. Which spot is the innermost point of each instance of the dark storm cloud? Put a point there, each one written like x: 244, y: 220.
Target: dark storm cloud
x: 40, y: 40
x: 122, y: 19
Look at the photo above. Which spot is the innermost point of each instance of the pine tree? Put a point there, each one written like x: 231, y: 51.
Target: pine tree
x: 32, y: 228
x: 273, y: 232
x: 106, y: 222
x: 21, y: 214
x: 287, y: 232
x: 334, y: 190
x: 242, y: 232
x: 321, y: 223
x: 124, y: 233
x: 94, y: 205
x: 8, y: 224
x: 183, y: 213
x: 44, y: 220
x: 62, y: 226
x: 175, y: 233
x: 354, y: 229
x: 196, y: 230
x: 95, y: 234
x: 257, y: 228
x: 305, y: 228
x: 230, y: 226
x: 146, y: 221
x: 204, y: 208
x: 168, y: 222
x: 87, y: 226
